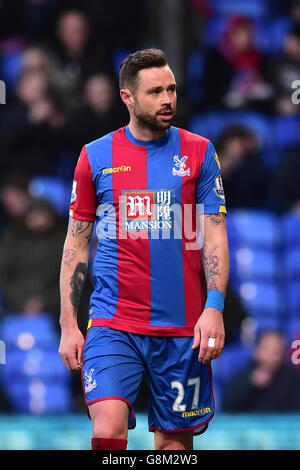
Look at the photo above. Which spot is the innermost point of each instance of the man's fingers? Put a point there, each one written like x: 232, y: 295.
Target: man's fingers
x: 214, y: 353
x: 65, y: 360
x: 79, y: 356
x: 203, y: 348
x: 74, y: 363
x: 70, y: 361
x: 197, y: 338
x: 207, y: 353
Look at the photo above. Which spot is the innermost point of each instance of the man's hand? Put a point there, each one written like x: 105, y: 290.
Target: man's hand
x: 209, y: 325
x: 70, y: 348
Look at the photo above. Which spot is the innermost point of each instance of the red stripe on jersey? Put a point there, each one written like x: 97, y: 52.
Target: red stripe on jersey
x: 134, y: 300
x: 141, y: 329
x: 83, y: 200
x: 194, y: 147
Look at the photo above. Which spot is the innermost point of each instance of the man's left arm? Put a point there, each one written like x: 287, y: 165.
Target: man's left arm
x: 215, y: 260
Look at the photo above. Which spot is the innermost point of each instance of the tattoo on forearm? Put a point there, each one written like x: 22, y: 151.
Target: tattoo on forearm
x: 81, y: 227
x: 76, y: 284
x: 211, y: 266
x: 215, y: 219
x: 68, y: 256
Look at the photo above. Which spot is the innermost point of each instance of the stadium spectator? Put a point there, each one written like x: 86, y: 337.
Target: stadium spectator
x: 243, y: 172
x: 78, y: 55
x: 14, y: 197
x: 31, y: 129
x: 284, y: 71
x: 38, y: 58
x: 235, y: 71
x: 30, y: 252
x: 100, y: 113
x: 35, y: 59
x: 268, y: 383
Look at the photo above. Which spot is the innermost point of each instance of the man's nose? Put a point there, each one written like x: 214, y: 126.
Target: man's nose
x: 166, y: 98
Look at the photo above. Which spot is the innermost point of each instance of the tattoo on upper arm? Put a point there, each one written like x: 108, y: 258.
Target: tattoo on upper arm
x: 81, y: 227
x: 77, y: 283
x: 216, y: 219
x: 68, y: 256
x: 211, y: 266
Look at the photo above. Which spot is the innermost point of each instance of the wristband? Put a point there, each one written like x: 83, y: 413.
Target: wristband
x: 215, y: 299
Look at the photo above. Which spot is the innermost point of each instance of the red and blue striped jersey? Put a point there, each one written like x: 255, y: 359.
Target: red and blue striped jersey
x: 144, y: 197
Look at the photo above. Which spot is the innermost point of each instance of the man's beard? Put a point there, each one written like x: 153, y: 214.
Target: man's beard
x: 151, y: 122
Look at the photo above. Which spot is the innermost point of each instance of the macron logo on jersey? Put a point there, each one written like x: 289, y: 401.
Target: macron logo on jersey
x: 116, y: 169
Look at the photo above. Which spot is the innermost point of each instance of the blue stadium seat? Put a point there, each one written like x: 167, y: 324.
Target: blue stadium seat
x: 25, y: 332
x: 268, y: 324
x: 38, y: 397
x: 65, y: 167
x: 251, y: 8
x: 195, y: 69
x: 10, y: 67
x: 293, y: 298
x: 195, y: 65
x: 232, y: 359
x: 211, y: 125
x: 216, y: 27
x: 253, y: 228
x: 252, y: 264
x: 204, y: 125
x: 41, y: 363
x: 292, y: 329
x: 291, y: 264
x: 284, y: 132
x: 290, y: 230
x: 262, y: 299
x: 55, y: 190
x: 255, y: 121
x: 276, y: 33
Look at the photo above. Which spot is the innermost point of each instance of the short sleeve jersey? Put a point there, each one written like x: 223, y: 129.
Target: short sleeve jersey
x: 145, y: 198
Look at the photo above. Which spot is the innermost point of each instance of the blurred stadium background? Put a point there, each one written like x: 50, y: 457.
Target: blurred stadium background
x: 236, y: 62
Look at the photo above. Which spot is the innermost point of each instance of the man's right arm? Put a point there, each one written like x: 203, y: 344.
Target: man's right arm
x: 72, y: 277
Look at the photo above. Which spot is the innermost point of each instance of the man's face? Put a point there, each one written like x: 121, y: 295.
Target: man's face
x: 270, y: 351
x: 155, y: 98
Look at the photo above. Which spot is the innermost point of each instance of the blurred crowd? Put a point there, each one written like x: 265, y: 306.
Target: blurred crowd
x: 251, y: 64
x: 60, y: 59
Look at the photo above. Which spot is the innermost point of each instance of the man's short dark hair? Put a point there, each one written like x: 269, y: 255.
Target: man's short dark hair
x: 137, y: 61
x: 234, y: 131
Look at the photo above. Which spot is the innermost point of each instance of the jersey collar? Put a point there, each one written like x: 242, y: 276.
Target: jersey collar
x: 148, y: 143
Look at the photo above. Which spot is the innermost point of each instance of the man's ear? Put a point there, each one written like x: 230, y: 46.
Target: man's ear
x: 127, y: 97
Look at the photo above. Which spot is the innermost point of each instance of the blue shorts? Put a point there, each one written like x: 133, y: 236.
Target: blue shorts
x: 180, y: 387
